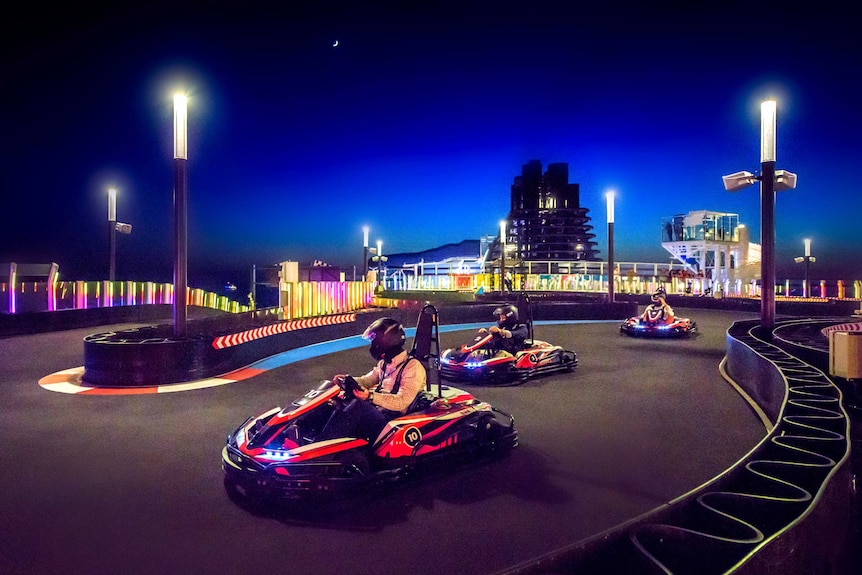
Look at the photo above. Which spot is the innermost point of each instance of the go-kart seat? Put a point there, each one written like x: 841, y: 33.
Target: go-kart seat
x: 421, y: 402
x: 426, y: 349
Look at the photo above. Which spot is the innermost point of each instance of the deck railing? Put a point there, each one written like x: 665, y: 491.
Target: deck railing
x: 296, y: 299
x: 313, y: 299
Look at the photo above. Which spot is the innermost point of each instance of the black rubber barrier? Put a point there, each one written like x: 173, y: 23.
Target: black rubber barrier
x: 796, y: 474
x: 788, y: 507
x: 150, y: 355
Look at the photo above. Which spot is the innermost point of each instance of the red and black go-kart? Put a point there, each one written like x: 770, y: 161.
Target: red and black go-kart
x: 478, y: 361
x: 655, y: 323
x: 275, y: 455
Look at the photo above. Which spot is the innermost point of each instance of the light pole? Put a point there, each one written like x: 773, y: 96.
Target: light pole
x: 112, y: 233
x: 771, y: 181
x: 364, y: 253
x: 502, y: 256
x: 808, y: 259
x: 113, y: 227
x: 180, y: 216
x: 610, y: 202
x: 379, y: 261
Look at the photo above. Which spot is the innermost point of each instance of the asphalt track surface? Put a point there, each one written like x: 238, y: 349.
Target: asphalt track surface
x: 132, y: 484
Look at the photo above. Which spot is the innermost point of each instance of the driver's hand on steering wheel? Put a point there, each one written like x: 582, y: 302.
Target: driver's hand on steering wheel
x: 494, y: 329
x: 339, y: 378
x: 361, y: 394
x: 482, y: 330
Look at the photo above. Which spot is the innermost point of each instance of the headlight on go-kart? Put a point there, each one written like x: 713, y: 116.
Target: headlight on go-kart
x: 275, y: 455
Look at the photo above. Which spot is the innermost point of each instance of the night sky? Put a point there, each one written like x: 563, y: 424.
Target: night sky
x: 415, y: 124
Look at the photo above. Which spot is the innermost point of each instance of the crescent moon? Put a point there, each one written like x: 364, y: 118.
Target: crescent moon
x: 334, y: 44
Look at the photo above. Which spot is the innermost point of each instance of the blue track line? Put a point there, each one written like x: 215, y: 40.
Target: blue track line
x: 343, y: 344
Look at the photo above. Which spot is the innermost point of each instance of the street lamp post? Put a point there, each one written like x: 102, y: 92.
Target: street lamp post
x: 771, y: 181
x: 502, y: 256
x: 610, y: 202
x: 379, y: 261
x: 364, y: 252
x: 807, y: 259
x: 112, y: 233
x: 113, y: 227
x: 767, y: 213
x: 180, y: 217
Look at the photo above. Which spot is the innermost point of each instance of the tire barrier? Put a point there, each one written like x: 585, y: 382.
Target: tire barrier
x: 150, y: 356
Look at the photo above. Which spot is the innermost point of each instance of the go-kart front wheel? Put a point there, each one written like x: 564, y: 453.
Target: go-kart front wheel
x: 247, y: 499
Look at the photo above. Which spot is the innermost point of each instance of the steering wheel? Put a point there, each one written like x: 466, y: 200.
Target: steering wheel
x: 347, y: 385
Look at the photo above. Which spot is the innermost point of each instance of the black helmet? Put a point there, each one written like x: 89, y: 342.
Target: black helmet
x: 510, y: 316
x: 659, y: 294
x: 387, y: 338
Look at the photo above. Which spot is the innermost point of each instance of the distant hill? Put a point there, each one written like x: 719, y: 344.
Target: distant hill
x: 465, y: 249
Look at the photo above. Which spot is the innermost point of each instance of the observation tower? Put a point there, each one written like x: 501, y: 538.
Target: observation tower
x: 714, y: 246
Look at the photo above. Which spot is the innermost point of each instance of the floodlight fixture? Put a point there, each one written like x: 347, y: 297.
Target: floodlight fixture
x: 784, y: 180
x: 738, y: 180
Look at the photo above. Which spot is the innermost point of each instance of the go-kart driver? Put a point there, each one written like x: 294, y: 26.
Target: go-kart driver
x: 658, y: 312
x: 385, y: 392
x: 509, y: 334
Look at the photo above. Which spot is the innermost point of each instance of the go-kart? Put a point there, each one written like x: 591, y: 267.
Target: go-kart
x: 275, y: 455
x: 654, y: 324
x: 479, y: 361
